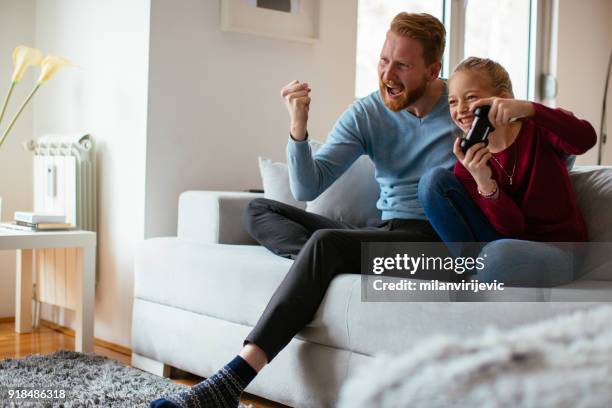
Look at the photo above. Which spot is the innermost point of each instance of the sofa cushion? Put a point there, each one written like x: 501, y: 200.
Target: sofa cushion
x: 235, y: 282
x: 593, y: 188
x: 275, y: 181
x: 275, y: 178
x: 230, y: 282
x: 350, y: 199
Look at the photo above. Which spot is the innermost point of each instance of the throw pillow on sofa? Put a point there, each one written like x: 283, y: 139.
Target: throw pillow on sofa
x: 351, y: 198
x: 275, y: 180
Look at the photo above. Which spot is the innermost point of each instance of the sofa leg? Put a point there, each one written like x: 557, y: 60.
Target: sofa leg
x: 152, y: 366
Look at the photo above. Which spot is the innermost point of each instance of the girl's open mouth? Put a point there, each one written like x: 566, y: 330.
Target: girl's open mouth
x: 465, y: 122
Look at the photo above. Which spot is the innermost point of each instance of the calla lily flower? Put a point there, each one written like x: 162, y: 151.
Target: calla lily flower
x: 23, y: 57
x: 50, y: 65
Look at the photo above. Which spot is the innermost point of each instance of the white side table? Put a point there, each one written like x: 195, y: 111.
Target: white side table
x: 24, y: 242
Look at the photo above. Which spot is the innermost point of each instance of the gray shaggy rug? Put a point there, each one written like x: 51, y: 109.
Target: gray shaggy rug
x: 564, y: 362
x: 89, y: 381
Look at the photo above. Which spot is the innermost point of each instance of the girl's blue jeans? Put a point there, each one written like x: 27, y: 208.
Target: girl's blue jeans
x: 461, y: 224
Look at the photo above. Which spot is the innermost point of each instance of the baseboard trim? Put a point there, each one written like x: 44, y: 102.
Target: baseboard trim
x: 69, y: 332
x: 98, y: 342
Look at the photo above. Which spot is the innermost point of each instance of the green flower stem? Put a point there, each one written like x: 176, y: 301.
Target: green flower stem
x: 6, y: 100
x: 10, y: 126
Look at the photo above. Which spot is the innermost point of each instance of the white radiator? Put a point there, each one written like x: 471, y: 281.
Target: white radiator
x: 64, y: 183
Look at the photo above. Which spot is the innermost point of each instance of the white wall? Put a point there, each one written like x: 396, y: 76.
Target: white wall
x: 107, y: 97
x: 584, y: 43
x: 16, y: 28
x: 214, y: 102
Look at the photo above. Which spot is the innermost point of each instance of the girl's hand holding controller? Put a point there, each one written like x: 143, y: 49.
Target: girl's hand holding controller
x: 476, y: 162
x: 505, y: 110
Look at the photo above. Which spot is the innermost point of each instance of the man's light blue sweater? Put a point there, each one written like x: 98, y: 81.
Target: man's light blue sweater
x: 402, y: 146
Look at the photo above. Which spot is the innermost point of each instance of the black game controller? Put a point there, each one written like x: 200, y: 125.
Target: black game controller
x: 479, y: 132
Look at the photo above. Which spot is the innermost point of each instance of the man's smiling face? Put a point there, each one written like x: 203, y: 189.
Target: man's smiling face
x: 402, y: 72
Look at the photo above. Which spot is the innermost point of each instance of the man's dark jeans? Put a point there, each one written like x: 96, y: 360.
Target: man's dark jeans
x: 322, y: 248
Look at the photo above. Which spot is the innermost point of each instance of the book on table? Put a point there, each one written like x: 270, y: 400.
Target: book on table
x: 45, y: 225
x: 39, y: 218
x: 25, y: 226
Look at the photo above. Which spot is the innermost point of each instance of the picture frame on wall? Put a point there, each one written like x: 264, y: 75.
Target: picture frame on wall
x: 293, y: 20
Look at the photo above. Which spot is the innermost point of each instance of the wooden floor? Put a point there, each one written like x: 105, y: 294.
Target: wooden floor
x: 45, y: 340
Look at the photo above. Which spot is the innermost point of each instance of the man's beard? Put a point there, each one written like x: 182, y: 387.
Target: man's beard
x: 406, y: 98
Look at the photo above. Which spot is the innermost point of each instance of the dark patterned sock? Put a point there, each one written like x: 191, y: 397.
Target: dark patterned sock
x: 223, y: 389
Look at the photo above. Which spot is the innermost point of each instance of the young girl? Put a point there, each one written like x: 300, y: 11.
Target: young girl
x: 518, y: 185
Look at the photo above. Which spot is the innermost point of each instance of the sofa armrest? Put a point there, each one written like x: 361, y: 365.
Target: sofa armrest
x: 593, y: 188
x: 214, y: 216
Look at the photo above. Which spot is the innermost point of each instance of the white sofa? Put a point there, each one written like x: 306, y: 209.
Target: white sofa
x: 197, y: 296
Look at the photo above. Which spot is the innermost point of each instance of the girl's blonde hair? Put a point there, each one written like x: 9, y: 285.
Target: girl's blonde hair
x: 491, y: 70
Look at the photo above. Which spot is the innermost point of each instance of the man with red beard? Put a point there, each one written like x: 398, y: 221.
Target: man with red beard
x: 406, y: 129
